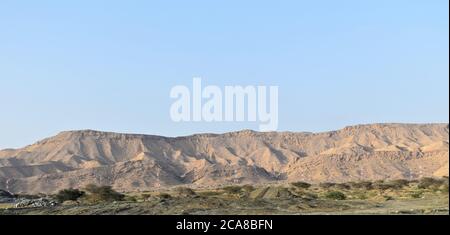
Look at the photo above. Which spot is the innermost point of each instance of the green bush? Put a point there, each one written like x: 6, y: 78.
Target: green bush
x: 335, y: 195
x: 103, y: 193
x: 69, y: 195
x: 301, y: 184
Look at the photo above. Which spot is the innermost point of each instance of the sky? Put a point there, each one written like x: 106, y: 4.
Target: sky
x: 110, y: 65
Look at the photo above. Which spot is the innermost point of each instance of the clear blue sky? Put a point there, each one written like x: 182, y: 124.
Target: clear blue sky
x: 109, y: 65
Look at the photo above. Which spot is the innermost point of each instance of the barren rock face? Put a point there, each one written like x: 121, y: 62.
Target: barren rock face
x: 131, y: 162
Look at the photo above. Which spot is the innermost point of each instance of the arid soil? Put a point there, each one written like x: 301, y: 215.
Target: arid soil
x: 395, y: 197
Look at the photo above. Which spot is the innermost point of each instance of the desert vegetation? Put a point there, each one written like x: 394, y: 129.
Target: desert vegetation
x: 300, y: 184
x: 69, y: 195
x: 424, y: 196
x: 335, y: 195
x: 90, y: 194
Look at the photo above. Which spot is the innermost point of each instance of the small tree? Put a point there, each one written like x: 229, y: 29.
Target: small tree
x: 185, y: 191
x: 69, y: 195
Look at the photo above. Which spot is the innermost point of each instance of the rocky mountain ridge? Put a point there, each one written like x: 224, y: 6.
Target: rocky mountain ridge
x: 134, y: 162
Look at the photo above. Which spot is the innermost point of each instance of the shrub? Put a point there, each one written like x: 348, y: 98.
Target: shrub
x: 444, y: 188
x: 389, y: 185
x: 232, y: 189
x: 335, y: 195
x: 69, y: 195
x: 184, y: 191
x: 426, y: 183
x: 301, y: 184
x: 4, y: 193
x: 367, y: 185
x: 382, y: 186
x: 343, y: 186
x: 326, y: 185
x: 400, y: 183
x: 103, y: 193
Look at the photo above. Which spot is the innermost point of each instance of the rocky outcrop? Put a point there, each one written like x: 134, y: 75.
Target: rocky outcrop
x: 33, y: 203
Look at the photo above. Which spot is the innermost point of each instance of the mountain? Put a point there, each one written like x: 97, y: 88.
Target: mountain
x: 131, y: 162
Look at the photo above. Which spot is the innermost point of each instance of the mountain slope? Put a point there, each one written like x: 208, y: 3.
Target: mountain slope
x: 132, y: 162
